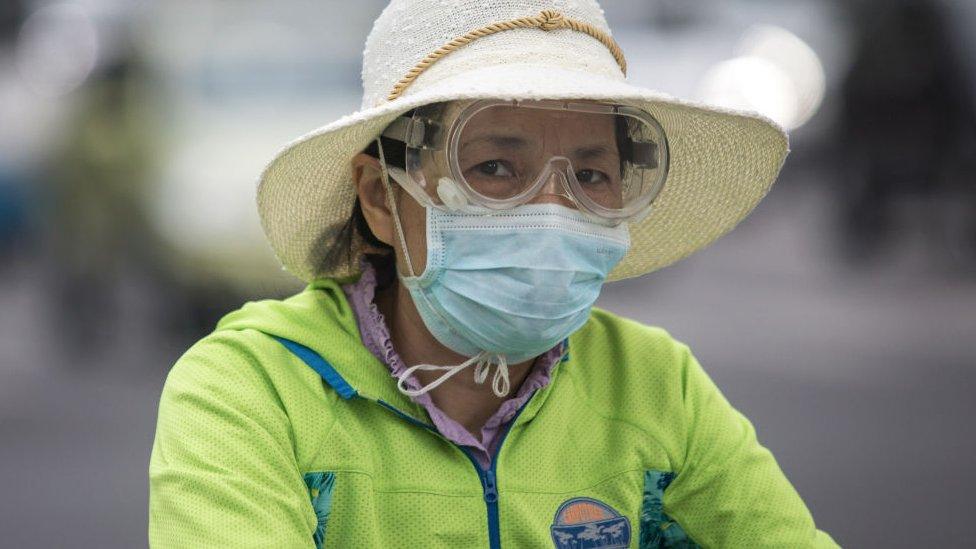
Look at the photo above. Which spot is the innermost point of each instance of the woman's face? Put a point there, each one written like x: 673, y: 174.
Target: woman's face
x: 494, y: 151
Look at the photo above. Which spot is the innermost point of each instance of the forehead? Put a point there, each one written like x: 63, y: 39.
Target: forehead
x: 523, y: 120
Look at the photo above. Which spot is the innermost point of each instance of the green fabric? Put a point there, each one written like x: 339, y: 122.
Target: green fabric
x: 242, y: 421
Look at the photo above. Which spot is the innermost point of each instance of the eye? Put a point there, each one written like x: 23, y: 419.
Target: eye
x: 592, y: 177
x: 495, y: 168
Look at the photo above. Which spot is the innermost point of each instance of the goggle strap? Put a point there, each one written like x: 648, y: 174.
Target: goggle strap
x: 641, y: 153
x: 398, y: 129
x: 415, y: 133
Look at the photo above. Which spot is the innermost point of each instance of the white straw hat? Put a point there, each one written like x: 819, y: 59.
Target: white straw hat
x: 425, y: 51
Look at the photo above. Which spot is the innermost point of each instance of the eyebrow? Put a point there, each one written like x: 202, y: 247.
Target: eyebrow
x: 501, y: 141
x: 592, y: 151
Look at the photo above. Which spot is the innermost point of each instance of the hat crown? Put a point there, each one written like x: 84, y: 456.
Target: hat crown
x: 409, y: 30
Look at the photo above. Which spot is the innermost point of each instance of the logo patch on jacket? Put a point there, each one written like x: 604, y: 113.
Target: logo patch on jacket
x: 586, y: 522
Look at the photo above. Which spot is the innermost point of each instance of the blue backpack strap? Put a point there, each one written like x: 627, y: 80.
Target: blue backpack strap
x: 321, y: 366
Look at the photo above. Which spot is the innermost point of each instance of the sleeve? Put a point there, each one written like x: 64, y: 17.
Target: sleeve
x: 223, y: 471
x: 730, y: 492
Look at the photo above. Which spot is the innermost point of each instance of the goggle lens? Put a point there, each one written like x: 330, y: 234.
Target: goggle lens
x: 612, y: 159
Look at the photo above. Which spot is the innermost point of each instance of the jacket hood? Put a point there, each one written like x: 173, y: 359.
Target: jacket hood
x: 320, y: 318
x: 321, y: 308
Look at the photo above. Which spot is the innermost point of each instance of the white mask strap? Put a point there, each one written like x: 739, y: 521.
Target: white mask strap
x: 392, y: 202
x: 482, y: 362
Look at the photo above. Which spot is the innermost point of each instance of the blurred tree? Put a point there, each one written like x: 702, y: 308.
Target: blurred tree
x: 11, y: 16
x: 908, y: 123
x: 98, y: 180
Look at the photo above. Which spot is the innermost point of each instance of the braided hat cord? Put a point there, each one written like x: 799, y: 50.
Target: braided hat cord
x: 547, y: 20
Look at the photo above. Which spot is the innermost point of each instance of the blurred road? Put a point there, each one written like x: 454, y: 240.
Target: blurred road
x: 860, y: 382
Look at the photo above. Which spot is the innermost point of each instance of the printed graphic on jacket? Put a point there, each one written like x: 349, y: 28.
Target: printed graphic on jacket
x: 585, y: 523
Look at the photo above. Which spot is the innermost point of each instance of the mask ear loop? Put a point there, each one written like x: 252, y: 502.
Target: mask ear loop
x: 393, y: 206
x: 482, y: 360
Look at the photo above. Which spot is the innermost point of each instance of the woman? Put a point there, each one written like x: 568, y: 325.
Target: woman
x: 458, y: 228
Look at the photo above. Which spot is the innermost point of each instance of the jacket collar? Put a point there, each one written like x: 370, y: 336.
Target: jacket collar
x: 321, y: 320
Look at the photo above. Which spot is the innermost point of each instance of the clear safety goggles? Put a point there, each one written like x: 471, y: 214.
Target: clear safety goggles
x: 610, y: 160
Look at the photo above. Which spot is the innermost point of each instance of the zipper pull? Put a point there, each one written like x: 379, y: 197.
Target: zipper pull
x: 491, y: 493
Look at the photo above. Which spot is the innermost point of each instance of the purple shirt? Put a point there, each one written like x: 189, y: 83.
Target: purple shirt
x: 376, y: 337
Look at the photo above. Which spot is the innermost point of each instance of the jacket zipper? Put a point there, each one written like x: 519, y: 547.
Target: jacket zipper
x: 488, y: 481
x: 487, y: 476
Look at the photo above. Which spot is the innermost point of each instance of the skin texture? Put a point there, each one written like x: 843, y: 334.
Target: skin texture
x: 460, y: 397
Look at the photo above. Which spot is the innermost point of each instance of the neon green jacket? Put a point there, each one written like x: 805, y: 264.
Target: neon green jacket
x: 280, y: 429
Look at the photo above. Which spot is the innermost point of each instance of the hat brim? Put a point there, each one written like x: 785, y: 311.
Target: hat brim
x: 723, y: 163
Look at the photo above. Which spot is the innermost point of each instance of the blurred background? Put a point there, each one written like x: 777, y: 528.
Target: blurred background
x: 840, y: 317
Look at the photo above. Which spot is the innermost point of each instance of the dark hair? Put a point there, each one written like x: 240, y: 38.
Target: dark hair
x: 384, y: 262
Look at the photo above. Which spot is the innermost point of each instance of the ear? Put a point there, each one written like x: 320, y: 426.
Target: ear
x: 368, y: 179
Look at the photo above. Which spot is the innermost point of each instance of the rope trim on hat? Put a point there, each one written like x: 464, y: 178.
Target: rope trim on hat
x: 547, y: 20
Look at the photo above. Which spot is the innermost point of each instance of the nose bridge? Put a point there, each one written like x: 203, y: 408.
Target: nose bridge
x: 555, y: 187
x: 555, y: 173
x: 556, y: 164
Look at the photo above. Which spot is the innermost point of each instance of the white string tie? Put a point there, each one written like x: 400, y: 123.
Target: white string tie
x: 482, y: 361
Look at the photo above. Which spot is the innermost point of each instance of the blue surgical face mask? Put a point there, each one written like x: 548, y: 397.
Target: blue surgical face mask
x: 505, y: 286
